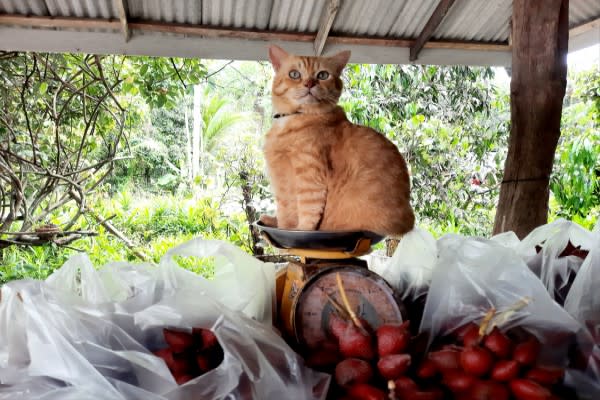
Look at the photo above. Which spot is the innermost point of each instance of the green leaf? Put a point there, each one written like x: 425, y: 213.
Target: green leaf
x: 43, y: 87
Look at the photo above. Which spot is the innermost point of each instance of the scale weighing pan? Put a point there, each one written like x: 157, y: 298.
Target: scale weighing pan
x: 345, y: 241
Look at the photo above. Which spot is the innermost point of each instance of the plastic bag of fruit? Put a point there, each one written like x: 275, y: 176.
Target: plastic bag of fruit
x: 583, y: 300
x: 491, y: 320
x: 141, y: 332
x: 409, y: 269
x: 555, y: 252
x: 583, y: 303
x: 474, y: 276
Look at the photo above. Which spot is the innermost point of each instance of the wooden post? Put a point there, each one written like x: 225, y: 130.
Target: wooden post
x: 539, y: 75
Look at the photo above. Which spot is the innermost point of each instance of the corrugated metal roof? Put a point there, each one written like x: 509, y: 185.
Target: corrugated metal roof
x: 485, y: 21
x: 296, y: 16
x: 469, y: 20
x: 482, y: 21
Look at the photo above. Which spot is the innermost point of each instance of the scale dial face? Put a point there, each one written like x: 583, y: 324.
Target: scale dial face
x: 371, y: 298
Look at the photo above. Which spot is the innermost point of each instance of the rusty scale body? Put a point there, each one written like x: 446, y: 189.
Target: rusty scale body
x: 308, y: 291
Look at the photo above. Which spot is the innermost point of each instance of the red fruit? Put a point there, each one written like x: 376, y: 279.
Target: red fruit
x: 393, y: 339
x: 364, y: 391
x: 166, y: 354
x: 203, y: 363
x: 322, y: 358
x: 337, y: 325
x: 470, y: 336
x: 463, y: 330
x: 209, y: 339
x: 427, y: 369
x: 476, y: 360
x: 527, y: 352
x: 498, y: 343
x: 546, y: 375
x: 405, y: 384
x: 197, y: 332
x: 489, y: 390
x: 393, y: 366
x: 181, y: 379
x: 353, y: 370
x: 457, y: 380
x: 431, y: 394
x: 445, y: 359
x: 505, y: 370
x: 178, y: 341
x: 177, y: 365
x: 356, y: 343
x: 524, y: 389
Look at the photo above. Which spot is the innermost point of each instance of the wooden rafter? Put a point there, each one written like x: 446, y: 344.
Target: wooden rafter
x: 434, y: 21
x: 249, y: 34
x: 330, y: 11
x: 584, y: 28
x: 122, y: 7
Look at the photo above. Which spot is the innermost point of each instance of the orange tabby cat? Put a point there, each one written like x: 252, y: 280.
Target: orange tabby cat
x: 327, y: 173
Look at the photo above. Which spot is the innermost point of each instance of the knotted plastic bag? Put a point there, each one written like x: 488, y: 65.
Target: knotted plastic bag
x: 555, y: 252
x: 90, y: 334
x: 475, y: 275
x: 409, y: 270
x: 583, y: 303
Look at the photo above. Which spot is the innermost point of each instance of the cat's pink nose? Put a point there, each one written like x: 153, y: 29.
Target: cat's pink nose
x: 310, y: 83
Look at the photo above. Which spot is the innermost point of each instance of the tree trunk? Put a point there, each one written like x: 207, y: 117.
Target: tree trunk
x: 196, y: 131
x: 539, y: 72
x: 188, y: 145
x: 251, y: 213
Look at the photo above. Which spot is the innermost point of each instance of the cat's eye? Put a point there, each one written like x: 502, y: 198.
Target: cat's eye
x: 294, y: 74
x: 322, y: 75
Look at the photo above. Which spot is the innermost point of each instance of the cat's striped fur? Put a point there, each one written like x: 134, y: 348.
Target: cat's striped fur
x: 327, y: 173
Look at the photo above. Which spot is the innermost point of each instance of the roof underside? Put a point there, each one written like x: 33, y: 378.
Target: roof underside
x: 472, y: 32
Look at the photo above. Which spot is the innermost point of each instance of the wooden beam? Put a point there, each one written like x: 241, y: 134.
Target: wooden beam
x: 584, y: 28
x: 330, y: 11
x: 121, y: 5
x: 59, y: 22
x: 219, y: 33
x: 539, y: 76
x: 434, y: 21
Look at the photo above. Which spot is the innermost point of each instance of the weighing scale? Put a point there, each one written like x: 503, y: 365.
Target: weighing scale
x: 308, y: 291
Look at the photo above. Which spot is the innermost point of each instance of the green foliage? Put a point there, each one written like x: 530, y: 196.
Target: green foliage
x: 575, y: 182
x: 155, y: 223
x: 379, y: 95
x: 218, y: 120
x: 162, y: 82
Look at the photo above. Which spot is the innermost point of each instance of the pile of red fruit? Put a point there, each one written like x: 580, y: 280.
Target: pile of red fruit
x: 493, y: 366
x: 386, y: 364
x: 190, y: 355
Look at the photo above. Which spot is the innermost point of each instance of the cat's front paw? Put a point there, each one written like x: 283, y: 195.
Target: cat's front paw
x: 268, y: 220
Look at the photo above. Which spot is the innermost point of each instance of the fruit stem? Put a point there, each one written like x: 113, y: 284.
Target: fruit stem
x: 503, y: 316
x: 486, y: 322
x: 392, y: 390
x: 349, y: 309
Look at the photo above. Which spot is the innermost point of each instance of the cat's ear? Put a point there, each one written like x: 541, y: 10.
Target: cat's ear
x: 340, y: 60
x: 277, y: 55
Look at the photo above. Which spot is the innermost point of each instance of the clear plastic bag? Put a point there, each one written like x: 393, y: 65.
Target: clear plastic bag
x: 474, y: 275
x: 89, y: 334
x: 547, y: 251
x: 583, y: 300
x: 583, y: 303
x: 409, y: 270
